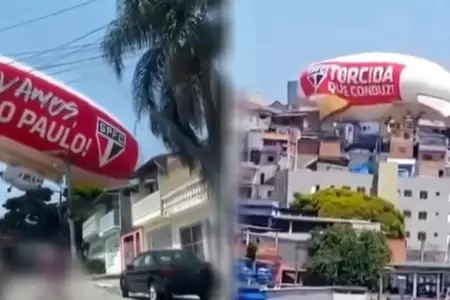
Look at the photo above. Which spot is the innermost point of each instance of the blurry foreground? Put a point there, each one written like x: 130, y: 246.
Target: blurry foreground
x: 40, y: 271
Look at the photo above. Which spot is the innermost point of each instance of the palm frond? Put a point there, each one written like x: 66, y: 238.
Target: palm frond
x: 147, y: 82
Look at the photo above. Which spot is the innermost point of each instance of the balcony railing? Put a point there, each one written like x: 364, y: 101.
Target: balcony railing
x: 91, y: 226
x: 146, y: 209
x: 109, y: 221
x: 184, y: 197
x: 432, y: 142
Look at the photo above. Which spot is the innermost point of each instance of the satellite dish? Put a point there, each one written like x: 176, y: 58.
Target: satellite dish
x: 21, y: 178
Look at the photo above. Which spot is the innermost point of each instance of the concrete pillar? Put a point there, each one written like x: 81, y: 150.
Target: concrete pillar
x: 414, y: 289
x: 438, y: 286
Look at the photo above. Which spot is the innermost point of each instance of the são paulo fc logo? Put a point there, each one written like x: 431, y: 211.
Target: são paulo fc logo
x: 316, y: 75
x: 110, y: 141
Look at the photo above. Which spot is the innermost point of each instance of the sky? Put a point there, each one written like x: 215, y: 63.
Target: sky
x: 270, y: 42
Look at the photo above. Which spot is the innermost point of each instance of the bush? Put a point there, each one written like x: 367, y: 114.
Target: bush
x: 95, y: 266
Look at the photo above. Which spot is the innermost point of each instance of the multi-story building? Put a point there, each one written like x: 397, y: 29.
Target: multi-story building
x: 165, y: 206
x: 287, y: 235
x: 423, y: 200
x: 270, y: 143
x: 102, y: 230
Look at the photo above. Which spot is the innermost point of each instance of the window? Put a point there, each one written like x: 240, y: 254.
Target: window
x: 422, y: 215
x: 148, y: 260
x: 407, y: 193
x: 270, y: 159
x: 262, y: 178
x: 436, y: 234
x: 191, y: 238
x: 407, y: 213
x: 448, y: 218
x: 361, y: 189
x: 438, y: 194
x: 423, y: 195
x: 421, y: 236
x: 174, y: 256
x: 401, y: 149
x: 407, y: 234
x: 315, y: 188
x: 255, y: 157
x: 139, y: 261
x: 427, y: 157
x: 436, y: 214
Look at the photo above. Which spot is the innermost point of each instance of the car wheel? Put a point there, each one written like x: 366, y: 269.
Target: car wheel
x: 204, y: 296
x: 124, y: 290
x: 152, y: 294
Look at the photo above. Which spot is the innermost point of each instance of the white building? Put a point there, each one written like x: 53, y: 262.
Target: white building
x: 167, y: 207
x: 171, y: 213
x: 103, y: 228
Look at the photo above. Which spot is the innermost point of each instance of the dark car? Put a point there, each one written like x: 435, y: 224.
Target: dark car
x: 164, y: 273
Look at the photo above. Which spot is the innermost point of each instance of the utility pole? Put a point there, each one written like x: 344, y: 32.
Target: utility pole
x: 70, y: 221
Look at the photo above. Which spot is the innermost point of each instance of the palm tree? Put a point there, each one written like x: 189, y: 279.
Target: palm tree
x: 176, y: 82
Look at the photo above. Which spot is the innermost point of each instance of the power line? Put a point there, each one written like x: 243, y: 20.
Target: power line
x: 75, y: 62
x: 73, y: 65
x: 58, y: 12
x: 68, y: 54
x: 61, y: 49
x: 72, y: 41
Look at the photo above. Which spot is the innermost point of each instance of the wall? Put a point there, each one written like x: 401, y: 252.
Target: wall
x: 159, y: 238
x: 318, y: 293
x: 113, y: 258
x: 125, y: 213
x: 176, y: 177
x: 437, y: 207
x: 194, y: 215
x: 305, y: 181
x: 387, y: 182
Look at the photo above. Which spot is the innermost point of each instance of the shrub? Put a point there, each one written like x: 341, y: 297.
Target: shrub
x: 95, y: 266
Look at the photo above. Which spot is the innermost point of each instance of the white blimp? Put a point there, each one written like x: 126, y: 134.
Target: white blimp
x: 21, y: 178
x: 377, y: 86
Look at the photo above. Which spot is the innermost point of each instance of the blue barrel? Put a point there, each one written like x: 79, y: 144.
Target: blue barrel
x: 250, y: 293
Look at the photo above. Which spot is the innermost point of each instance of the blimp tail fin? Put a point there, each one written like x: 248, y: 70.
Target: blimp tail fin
x: 440, y: 105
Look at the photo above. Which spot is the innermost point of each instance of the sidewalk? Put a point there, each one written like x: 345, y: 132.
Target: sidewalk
x: 104, y: 276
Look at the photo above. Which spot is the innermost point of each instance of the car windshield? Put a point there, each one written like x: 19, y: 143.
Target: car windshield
x: 175, y: 256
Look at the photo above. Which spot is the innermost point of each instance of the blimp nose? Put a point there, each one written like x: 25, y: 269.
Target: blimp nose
x: 329, y: 105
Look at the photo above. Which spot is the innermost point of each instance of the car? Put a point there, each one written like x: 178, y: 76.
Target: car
x: 164, y: 273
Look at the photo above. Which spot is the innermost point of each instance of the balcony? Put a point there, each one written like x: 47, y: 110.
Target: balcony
x: 91, y: 226
x: 146, y: 209
x: 184, y: 197
x: 432, y: 142
x: 109, y: 222
x: 254, y: 140
x: 247, y: 175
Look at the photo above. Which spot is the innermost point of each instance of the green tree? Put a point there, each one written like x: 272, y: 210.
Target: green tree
x: 347, y: 204
x: 82, y: 206
x: 176, y: 83
x: 31, y: 216
x: 343, y: 256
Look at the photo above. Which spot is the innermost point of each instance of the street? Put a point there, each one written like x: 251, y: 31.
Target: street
x: 79, y: 288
